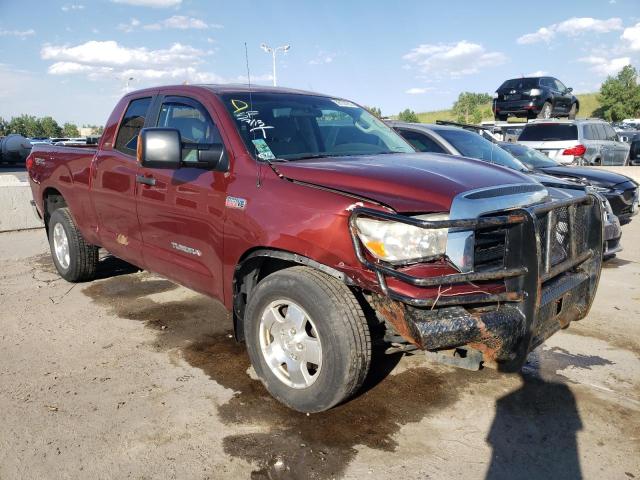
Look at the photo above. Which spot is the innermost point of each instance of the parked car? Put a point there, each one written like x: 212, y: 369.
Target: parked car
x: 534, y: 97
x: 317, y: 226
x: 591, y: 142
x: 634, y: 150
x: 620, y: 190
x: 452, y: 140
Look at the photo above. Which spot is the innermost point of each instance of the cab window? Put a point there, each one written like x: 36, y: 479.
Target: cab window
x: 193, y: 123
x: 132, y: 123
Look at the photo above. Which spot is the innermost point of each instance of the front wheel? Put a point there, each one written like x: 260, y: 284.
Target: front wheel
x: 545, y: 111
x: 573, y: 111
x: 307, y: 338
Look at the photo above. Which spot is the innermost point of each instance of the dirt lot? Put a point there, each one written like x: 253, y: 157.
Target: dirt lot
x: 132, y: 376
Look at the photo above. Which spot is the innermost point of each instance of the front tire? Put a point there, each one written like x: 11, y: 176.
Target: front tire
x: 307, y: 338
x: 73, y: 257
x: 573, y: 112
x: 546, y: 111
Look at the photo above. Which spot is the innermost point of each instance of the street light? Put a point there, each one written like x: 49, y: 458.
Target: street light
x: 130, y: 79
x: 273, y: 51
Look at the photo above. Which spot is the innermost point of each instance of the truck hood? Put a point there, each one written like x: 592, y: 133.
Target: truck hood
x: 407, y: 182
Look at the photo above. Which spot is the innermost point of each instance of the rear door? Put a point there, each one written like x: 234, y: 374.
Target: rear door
x: 607, y: 148
x: 181, y: 215
x: 114, y: 184
x: 619, y: 150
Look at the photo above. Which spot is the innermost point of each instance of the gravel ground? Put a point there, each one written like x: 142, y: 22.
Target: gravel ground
x: 132, y: 376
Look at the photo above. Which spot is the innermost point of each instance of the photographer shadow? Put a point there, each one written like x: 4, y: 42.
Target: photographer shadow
x: 534, y: 433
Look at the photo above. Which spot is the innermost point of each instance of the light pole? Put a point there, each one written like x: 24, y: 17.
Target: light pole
x: 129, y: 80
x: 272, y: 51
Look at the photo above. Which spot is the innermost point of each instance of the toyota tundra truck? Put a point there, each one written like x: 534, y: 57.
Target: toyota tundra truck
x: 322, y: 231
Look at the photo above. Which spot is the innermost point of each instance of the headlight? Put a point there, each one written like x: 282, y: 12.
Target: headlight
x: 394, y: 241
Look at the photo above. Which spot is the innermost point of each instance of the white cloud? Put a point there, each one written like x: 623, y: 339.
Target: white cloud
x: 110, y: 53
x: 418, y: 90
x: 129, y: 27
x: 454, y: 59
x: 632, y: 36
x: 572, y: 27
x: 537, y: 73
x: 17, y: 33
x: 180, y: 22
x: 150, y: 3
x: 323, y: 58
x: 543, y: 34
x: 604, y: 66
x: 177, y: 22
x: 69, y: 7
x: 110, y: 60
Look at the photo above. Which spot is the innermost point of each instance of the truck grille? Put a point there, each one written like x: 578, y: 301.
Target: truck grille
x: 489, y: 249
x: 562, y: 234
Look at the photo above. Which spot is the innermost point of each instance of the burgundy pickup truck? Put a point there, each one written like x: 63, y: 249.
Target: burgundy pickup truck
x: 322, y: 231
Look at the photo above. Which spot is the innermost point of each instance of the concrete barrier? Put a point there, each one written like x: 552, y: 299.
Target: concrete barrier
x: 16, y: 212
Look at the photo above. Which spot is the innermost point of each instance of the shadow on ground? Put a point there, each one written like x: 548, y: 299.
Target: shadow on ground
x: 533, y: 434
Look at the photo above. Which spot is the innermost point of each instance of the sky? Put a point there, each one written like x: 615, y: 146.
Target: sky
x: 74, y: 59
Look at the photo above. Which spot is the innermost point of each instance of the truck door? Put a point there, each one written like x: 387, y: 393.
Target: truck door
x: 114, y: 186
x: 181, y: 213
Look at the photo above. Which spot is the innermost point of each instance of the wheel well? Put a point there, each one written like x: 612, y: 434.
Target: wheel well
x: 577, y: 106
x: 256, y: 265
x: 52, y: 200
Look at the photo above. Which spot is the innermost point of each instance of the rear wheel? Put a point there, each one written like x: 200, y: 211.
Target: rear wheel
x: 74, y: 258
x: 545, y: 111
x: 573, y: 111
x: 501, y: 118
x: 307, y: 338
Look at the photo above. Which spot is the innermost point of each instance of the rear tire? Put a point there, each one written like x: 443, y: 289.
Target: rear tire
x: 307, y: 338
x: 546, y: 111
x: 573, y: 112
x: 501, y: 118
x: 74, y: 258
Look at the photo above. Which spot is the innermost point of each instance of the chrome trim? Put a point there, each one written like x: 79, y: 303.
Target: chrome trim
x: 460, y: 244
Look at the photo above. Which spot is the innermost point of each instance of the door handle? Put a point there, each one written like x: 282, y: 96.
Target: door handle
x: 145, y: 180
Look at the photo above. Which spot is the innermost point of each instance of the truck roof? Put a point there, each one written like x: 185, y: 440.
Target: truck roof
x: 234, y: 88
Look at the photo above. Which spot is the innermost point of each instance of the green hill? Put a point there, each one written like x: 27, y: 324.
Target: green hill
x: 588, y: 103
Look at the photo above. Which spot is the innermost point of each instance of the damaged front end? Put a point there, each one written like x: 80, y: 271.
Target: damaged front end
x: 520, y: 275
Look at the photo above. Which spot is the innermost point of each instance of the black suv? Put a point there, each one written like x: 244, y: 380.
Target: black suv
x: 534, y: 97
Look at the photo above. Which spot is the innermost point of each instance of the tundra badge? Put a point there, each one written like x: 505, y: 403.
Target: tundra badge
x: 235, y: 202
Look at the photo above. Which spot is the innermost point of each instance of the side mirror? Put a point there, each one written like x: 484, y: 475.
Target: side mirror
x: 213, y: 156
x: 569, y: 90
x: 159, y: 148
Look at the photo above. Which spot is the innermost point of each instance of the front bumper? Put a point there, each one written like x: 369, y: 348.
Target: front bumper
x: 547, y: 282
x: 625, y: 205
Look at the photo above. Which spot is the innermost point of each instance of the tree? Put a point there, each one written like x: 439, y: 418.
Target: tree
x: 26, y: 125
x: 469, y: 106
x: 70, y: 130
x: 408, y: 116
x: 375, y: 111
x: 50, y: 127
x: 620, y: 96
x: 4, y: 127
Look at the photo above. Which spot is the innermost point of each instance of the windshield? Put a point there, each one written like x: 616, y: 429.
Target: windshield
x: 530, y: 157
x: 292, y: 126
x: 472, y: 145
x: 546, y: 132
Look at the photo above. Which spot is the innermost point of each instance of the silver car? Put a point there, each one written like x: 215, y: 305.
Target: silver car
x: 582, y: 142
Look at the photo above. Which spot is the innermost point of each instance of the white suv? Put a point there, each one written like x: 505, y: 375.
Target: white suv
x: 590, y: 142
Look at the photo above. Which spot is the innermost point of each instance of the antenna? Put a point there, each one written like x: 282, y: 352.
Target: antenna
x: 259, y: 166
